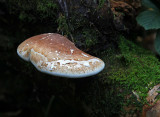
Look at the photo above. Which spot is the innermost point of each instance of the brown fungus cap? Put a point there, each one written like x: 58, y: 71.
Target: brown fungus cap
x: 56, y: 55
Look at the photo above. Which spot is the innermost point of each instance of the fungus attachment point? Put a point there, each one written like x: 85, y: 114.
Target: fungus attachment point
x: 61, y: 58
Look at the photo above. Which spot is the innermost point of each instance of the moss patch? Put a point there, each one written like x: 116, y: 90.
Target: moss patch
x: 131, y: 69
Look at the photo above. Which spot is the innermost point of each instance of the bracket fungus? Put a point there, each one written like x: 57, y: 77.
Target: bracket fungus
x: 56, y: 55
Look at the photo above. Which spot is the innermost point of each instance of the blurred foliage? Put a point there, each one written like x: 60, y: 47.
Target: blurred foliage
x: 150, y: 19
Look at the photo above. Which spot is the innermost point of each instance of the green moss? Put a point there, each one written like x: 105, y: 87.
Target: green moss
x: 128, y: 68
x: 139, y: 70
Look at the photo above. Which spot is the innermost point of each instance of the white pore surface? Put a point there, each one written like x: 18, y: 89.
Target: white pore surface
x: 64, y: 63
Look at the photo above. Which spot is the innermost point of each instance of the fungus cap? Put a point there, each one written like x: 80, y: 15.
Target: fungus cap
x: 56, y: 55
